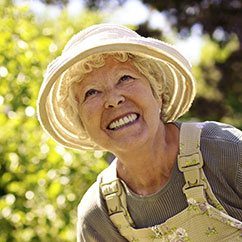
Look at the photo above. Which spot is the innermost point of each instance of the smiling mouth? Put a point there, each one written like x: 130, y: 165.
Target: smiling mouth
x: 124, y: 121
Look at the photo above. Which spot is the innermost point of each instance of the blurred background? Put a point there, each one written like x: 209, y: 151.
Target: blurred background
x: 41, y: 183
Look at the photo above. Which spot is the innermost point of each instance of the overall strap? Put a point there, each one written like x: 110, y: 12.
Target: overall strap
x: 113, y: 192
x: 190, y: 162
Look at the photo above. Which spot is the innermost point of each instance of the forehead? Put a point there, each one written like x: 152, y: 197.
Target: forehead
x: 112, y: 65
x: 111, y: 68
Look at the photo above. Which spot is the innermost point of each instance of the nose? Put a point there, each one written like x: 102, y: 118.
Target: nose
x: 113, y: 100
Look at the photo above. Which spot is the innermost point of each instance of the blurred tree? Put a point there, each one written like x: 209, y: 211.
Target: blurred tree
x: 214, y: 15
x: 218, y: 17
x: 222, y: 21
x: 41, y: 182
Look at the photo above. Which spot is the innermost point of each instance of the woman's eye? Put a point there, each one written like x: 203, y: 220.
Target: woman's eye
x: 125, y: 78
x: 90, y: 92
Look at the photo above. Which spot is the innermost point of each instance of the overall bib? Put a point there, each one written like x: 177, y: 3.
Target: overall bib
x: 204, y: 219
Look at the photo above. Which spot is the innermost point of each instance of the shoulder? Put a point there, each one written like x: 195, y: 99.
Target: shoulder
x: 93, y: 222
x: 221, y: 143
x: 217, y: 133
x: 89, y: 201
x: 90, y: 215
x: 221, y: 132
x: 221, y: 147
x: 92, y: 206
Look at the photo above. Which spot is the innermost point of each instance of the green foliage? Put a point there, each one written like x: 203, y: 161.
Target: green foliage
x: 206, y: 73
x: 219, y: 87
x: 41, y: 182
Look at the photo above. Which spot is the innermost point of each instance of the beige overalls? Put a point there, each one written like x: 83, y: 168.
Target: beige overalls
x: 204, y: 219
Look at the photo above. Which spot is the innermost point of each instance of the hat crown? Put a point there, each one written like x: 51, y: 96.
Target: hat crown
x: 100, y: 32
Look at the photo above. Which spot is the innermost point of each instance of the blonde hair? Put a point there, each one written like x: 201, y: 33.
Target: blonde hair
x: 152, y: 69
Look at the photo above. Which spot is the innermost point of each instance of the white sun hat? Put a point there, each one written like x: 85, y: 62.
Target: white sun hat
x: 107, y: 38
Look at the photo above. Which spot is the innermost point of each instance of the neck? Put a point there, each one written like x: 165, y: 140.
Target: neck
x: 146, y: 170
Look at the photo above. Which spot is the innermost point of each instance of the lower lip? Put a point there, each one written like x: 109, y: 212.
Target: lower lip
x: 126, y: 125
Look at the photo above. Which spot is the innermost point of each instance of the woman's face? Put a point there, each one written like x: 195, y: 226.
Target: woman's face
x: 117, y: 106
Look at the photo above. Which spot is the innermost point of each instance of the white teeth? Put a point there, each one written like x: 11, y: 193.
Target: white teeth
x: 123, y: 121
x: 126, y: 119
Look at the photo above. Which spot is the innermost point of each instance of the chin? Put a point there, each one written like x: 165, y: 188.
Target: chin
x: 128, y: 145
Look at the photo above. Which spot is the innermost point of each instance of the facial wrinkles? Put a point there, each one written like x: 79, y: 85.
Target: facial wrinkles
x: 106, y: 78
x: 98, y: 80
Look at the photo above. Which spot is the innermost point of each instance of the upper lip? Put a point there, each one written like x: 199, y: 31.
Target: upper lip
x: 120, y: 116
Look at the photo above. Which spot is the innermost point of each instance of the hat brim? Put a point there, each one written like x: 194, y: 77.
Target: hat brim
x: 180, y: 101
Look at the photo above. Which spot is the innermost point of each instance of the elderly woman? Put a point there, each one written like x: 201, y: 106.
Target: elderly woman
x: 114, y: 90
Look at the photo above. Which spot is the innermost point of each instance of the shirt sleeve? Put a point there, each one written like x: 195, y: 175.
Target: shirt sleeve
x: 239, y: 172
x: 85, y: 233
x: 89, y: 217
x: 222, y: 150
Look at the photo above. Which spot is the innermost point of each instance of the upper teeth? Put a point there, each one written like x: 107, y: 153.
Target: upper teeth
x: 122, y: 121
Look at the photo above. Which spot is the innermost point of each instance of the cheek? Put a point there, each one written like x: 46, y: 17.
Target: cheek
x: 148, y: 97
x: 90, y: 115
x: 86, y: 117
x: 151, y: 106
x: 88, y: 125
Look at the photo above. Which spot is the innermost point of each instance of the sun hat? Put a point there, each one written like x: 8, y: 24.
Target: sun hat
x: 107, y: 38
